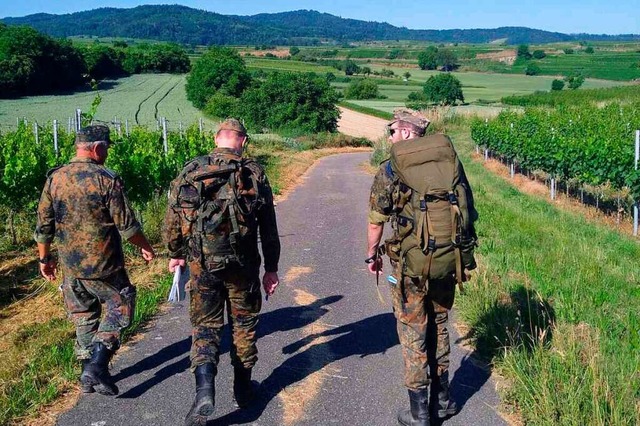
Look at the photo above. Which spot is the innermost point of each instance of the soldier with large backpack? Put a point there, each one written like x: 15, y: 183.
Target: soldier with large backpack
x: 218, y: 206
x: 423, y: 190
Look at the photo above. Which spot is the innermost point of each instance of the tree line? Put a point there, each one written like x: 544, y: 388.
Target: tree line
x: 32, y: 63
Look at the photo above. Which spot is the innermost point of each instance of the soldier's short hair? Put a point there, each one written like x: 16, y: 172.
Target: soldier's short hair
x: 92, y: 134
x: 233, y: 124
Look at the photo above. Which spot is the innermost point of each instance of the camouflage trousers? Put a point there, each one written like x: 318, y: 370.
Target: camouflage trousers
x: 85, y: 301
x: 211, y: 292
x: 422, y: 328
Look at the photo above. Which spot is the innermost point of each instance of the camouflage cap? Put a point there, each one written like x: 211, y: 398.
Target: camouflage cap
x: 233, y: 124
x: 94, y: 133
x: 410, y: 116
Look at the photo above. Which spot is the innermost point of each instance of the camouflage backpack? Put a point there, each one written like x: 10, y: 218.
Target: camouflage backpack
x: 433, y: 216
x: 218, y: 197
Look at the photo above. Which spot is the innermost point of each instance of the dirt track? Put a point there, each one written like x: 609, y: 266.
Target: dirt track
x: 360, y: 125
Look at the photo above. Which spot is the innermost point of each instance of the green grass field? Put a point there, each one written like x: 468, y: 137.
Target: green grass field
x: 286, y: 65
x: 140, y: 98
x: 608, y: 65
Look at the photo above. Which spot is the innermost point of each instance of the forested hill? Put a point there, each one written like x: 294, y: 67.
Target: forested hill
x: 192, y: 26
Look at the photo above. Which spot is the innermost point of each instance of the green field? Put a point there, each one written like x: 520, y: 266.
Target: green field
x: 140, y: 99
x: 475, y: 87
x: 286, y: 65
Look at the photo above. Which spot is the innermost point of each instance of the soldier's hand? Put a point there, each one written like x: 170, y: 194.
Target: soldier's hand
x: 48, y: 270
x: 270, y: 281
x: 375, y: 267
x: 176, y: 262
x: 148, y: 254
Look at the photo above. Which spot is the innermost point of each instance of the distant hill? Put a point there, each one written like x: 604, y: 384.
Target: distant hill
x: 185, y: 25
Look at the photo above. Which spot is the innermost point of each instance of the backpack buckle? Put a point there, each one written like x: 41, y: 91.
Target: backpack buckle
x: 453, y: 200
x: 423, y: 205
x: 431, y: 245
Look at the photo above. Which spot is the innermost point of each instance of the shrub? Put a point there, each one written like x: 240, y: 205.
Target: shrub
x: 557, y: 84
x: 539, y: 54
x: 443, y: 89
x: 221, y: 68
x: 289, y: 101
x: 362, y: 89
x: 532, y: 69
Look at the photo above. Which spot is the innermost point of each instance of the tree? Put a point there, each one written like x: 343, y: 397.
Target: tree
x: 574, y: 81
x: 444, y: 89
x: 293, y: 50
x: 427, y: 60
x: 291, y: 101
x: 394, y: 54
x: 407, y: 75
x: 568, y: 51
x: 221, y: 68
x: 557, y: 84
x: 350, y: 67
x: 447, y: 59
x: 532, y: 69
x: 362, y: 89
x: 365, y: 71
x: 539, y: 54
x: 523, y: 52
x: 588, y: 50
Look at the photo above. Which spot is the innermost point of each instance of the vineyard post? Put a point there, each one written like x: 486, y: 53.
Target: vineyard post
x: 513, y: 169
x: 553, y: 188
x: 69, y: 126
x: 200, y: 120
x: 35, y: 132
x: 78, y: 119
x: 55, y: 136
x: 486, y: 154
x: 126, y: 126
x: 635, y: 204
x: 164, y: 135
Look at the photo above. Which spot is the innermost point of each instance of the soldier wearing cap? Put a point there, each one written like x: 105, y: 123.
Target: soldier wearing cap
x: 421, y: 311
x: 83, y: 205
x: 218, y: 205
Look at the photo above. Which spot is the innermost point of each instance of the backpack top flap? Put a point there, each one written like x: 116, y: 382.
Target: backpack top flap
x: 427, y: 164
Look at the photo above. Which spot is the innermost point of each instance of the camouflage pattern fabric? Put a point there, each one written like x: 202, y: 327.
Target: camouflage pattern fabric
x: 84, y: 206
x: 421, y: 315
x: 84, y: 299
x: 422, y: 327
x: 237, y: 290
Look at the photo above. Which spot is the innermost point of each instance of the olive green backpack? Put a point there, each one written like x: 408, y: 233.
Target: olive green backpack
x: 434, y: 236
x: 218, y: 198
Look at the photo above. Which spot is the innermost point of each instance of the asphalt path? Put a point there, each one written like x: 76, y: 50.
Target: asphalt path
x: 328, y: 348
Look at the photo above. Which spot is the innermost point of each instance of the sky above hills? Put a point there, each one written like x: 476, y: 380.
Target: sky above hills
x: 565, y: 16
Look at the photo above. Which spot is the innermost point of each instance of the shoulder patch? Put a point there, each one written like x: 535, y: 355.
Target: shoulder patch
x: 389, y: 170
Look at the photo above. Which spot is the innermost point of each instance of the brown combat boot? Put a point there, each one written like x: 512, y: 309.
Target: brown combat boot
x: 444, y: 406
x: 205, y: 403
x: 95, y: 373
x: 418, y: 413
x: 243, y: 391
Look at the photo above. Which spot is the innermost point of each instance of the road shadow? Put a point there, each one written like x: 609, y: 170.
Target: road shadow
x: 370, y: 336
x: 284, y: 319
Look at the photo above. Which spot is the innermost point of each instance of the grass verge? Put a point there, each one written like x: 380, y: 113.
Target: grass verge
x: 554, y: 306
x: 366, y: 110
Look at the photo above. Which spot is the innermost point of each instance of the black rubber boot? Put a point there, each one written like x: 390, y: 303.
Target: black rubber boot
x: 444, y: 405
x: 243, y: 391
x: 95, y: 373
x: 418, y: 414
x: 205, y: 403
x: 85, y: 386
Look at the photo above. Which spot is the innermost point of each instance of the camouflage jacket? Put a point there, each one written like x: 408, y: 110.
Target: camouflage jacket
x: 177, y: 238
x: 381, y: 202
x: 84, y: 206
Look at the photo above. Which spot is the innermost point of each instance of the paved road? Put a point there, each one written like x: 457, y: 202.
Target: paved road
x: 329, y: 353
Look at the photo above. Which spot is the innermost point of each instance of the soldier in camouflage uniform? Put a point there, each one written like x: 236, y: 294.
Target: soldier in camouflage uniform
x: 220, y: 279
x: 83, y: 205
x: 421, y: 311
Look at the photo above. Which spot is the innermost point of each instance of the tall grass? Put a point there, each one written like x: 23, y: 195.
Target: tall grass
x: 554, y: 306
x: 54, y: 368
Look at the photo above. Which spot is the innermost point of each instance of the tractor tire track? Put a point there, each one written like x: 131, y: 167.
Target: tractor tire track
x: 146, y: 99
x: 155, y: 115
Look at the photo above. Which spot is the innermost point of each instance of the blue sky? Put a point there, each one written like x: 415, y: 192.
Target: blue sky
x: 566, y: 16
